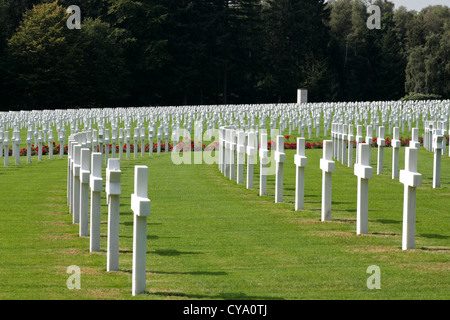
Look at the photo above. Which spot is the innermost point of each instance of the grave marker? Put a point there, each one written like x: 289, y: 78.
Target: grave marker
x: 300, y: 162
x: 96, y: 184
x: 327, y: 165
x: 113, y: 191
x: 140, y: 204
x: 280, y: 158
x: 411, y: 180
x: 85, y: 170
x: 263, y: 162
x: 395, y: 144
x: 363, y: 171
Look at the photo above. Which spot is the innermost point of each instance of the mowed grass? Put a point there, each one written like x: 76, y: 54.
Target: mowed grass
x: 209, y: 238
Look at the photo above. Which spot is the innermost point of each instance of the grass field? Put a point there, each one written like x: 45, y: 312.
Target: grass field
x: 209, y: 238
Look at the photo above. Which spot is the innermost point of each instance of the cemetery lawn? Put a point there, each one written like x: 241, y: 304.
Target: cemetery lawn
x: 208, y: 238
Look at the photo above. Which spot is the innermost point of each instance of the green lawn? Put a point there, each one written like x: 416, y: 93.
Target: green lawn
x: 209, y: 238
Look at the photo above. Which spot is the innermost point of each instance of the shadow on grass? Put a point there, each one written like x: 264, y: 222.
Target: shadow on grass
x: 194, y: 273
x: 224, y: 296
x: 388, y: 221
x: 433, y: 236
x: 172, y: 252
x: 436, y: 249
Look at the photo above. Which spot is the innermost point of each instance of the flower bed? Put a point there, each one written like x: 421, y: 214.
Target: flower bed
x: 190, y: 145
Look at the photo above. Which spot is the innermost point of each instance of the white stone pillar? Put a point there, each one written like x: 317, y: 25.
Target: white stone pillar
x: 240, y: 157
x: 350, y: 146
x: 438, y: 141
x: 96, y: 184
x: 17, y: 145
x: 113, y: 142
x: 40, y: 140
x: 113, y: 191
x: 106, y: 146
x: 280, y: 158
x: 302, y: 95
x: 221, y: 149
x: 150, y: 141
x: 136, y: 142
x: 363, y: 171
x: 227, y: 153
x: 411, y: 179
x: 327, y: 165
x: 50, y: 144
x: 414, y: 143
x: 29, y: 141
x: 395, y: 144
x: 150, y: 145
x: 263, y: 162
x: 120, y: 144
x: 1, y: 142
x: 381, y: 143
x: 344, y: 144
x: 369, y: 137
x: 158, y: 141
x: 300, y: 161
x: 6, y: 149
x: 84, y: 191
x: 70, y: 174
x: 100, y: 140
x: 128, y: 142
x: 62, y: 141
x: 359, y: 140
x: 76, y: 154
x: 140, y: 204
x: 232, y: 155
x: 143, y: 142
x: 251, y: 152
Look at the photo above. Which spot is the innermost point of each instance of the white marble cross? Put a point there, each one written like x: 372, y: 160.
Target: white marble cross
x: 113, y: 191
x: 363, y: 171
x: 350, y: 146
x: 438, y: 142
x: 280, y: 158
x: 240, y: 157
x: 328, y: 166
x: 76, y: 155
x: 359, y: 140
x: 6, y: 148
x: 300, y: 161
x: 96, y: 184
x: 140, y: 205
x: 411, y: 180
x: 251, y: 153
x: 263, y: 162
x: 85, y: 170
x: 395, y: 144
x: 381, y: 143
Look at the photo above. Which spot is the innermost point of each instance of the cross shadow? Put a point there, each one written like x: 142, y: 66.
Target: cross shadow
x: 224, y: 296
x: 434, y: 236
x: 172, y: 252
x: 194, y: 273
x: 388, y: 221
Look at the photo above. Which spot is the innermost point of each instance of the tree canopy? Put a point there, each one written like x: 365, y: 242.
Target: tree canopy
x: 173, y: 52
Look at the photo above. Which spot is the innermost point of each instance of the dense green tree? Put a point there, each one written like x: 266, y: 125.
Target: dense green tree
x: 52, y: 66
x: 295, y: 42
x: 170, y: 52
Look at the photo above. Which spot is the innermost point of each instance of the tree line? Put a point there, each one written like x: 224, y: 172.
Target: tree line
x: 175, y: 52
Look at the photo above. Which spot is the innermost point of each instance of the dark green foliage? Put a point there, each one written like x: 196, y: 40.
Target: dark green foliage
x: 133, y: 53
